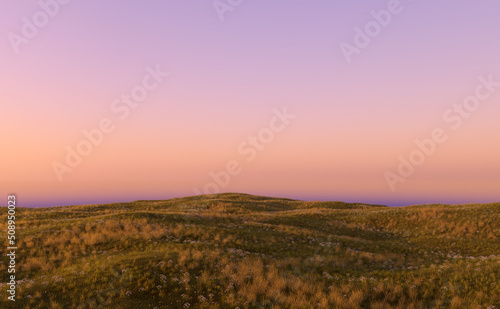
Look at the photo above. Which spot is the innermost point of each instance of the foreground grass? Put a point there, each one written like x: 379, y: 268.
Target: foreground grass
x: 242, y: 251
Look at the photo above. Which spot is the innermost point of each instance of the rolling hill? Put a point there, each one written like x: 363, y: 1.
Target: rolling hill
x: 243, y: 251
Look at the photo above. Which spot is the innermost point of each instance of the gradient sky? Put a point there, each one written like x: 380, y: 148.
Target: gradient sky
x: 353, y: 120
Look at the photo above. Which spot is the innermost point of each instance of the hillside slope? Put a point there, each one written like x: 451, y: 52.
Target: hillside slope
x: 243, y: 251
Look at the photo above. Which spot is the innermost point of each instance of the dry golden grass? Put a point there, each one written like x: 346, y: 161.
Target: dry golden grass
x: 228, y: 251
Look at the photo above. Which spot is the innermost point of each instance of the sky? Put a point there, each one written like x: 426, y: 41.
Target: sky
x: 316, y: 100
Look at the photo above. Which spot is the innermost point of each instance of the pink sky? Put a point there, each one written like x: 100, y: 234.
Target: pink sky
x: 352, y: 120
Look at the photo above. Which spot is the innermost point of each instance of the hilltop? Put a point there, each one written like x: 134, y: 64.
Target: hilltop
x: 243, y: 251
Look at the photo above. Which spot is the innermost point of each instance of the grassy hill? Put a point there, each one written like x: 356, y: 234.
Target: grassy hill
x: 243, y: 251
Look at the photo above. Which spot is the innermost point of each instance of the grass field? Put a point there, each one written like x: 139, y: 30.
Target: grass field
x: 243, y: 251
